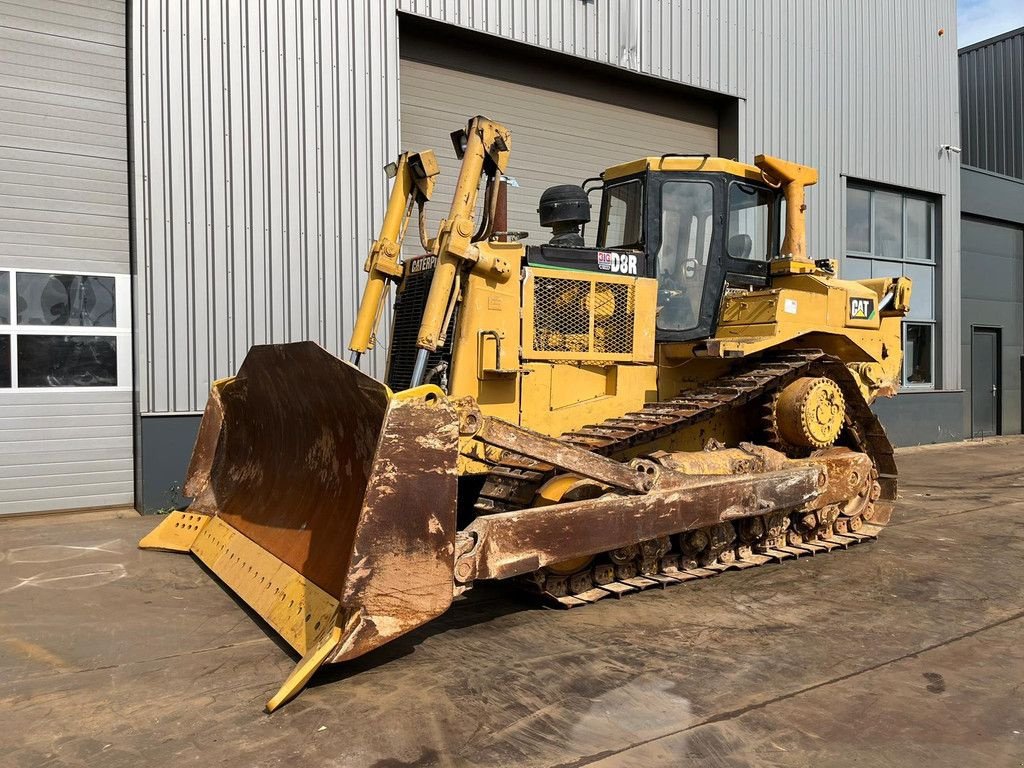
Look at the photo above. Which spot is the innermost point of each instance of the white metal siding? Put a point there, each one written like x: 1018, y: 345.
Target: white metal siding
x: 58, y: 452
x: 259, y: 125
x: 64, y: 207
x: 556, y: 138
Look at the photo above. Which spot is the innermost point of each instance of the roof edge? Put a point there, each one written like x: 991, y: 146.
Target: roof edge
x: 991, y: 41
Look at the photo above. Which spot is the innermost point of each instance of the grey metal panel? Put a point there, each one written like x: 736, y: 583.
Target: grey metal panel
x: 922, y: 417
x: 993, y: 295
x: 992, y: 104
x: 991, y: 195
x: 64, y: 207
x: 260, y: 133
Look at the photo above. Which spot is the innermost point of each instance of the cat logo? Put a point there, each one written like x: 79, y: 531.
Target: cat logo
x: 862, y: 309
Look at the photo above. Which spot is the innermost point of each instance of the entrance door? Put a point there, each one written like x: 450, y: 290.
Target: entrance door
x: 985, y: 385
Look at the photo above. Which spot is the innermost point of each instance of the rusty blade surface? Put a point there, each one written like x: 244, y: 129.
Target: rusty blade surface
x: 285, y: 452
x: 403, y: 553
x: 513, y: 543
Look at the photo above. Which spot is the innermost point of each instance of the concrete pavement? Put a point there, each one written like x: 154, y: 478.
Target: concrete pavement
x: 903, y: 652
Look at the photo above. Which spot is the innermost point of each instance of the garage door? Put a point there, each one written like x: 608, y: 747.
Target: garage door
x: 557, y: 137
x: 65, y: 301
x: 992, y: 287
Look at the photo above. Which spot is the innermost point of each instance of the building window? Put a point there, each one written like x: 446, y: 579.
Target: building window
x: 64, y: 331
x: 888, y: 234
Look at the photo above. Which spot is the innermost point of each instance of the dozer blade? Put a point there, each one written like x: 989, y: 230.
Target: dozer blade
x: 324, y: 501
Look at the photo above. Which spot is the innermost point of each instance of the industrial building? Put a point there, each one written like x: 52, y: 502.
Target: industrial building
x: 992, y: 233
x: 184, y: 180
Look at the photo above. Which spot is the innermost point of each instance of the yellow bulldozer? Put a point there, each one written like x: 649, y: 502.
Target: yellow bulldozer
x: 687, y: 395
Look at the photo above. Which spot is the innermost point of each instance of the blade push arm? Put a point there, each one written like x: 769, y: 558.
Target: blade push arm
x: 414, y: 174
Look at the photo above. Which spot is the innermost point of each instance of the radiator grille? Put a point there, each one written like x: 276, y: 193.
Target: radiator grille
x: 590, y: 317
x: 409, y: 304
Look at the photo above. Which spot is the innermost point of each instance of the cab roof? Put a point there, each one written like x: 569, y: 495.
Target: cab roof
x: 684, y: 163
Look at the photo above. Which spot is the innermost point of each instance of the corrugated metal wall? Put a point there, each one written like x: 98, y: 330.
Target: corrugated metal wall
x: 543, y: 124
x: 260, y: 132
x: 281, y: 115
x: 992, y: 104
x: 64, y: 207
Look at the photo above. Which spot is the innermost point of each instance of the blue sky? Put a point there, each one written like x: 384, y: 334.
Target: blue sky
x: 979, y: 20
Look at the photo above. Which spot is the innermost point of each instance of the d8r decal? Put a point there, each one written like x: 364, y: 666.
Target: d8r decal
x: 620, y: 263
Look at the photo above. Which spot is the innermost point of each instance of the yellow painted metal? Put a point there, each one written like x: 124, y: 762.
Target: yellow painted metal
x: 816, y: 310
x: 428, y: 392
x: 488, y: 146
x: 485, y: 349
x: 414, y: 182
x: 810, y: 412
x: 694, y: 163
x: 176, y: 532
x: 555, y: 489
x: 297, y: 609
x: 560, y: 397
x: 588, y: 316
x: 793, y: 178
x: 789, y: 266
x: 307, y: 665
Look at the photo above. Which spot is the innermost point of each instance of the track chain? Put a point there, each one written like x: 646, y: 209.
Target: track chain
x: 514, y: 483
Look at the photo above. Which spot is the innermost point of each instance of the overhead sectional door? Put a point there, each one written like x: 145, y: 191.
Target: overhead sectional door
x: 558, y: 137
x: 65, y: 293
x: 992, y: 292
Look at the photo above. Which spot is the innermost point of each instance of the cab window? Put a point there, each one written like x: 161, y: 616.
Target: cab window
x: 621, y: 216
x: 749, y: 221
x: 687, y: 226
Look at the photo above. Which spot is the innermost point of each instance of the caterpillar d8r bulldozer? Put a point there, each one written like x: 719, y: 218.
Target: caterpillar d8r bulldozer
x: 686, y: 396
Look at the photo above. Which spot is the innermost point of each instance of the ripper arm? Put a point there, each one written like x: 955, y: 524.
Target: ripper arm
x: 414, y: 175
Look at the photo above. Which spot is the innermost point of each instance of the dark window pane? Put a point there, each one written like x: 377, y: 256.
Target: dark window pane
x: 5, y: 362
x: 917, y: 356
x: 84, y: 300
x: 858, y: 220
x: 920, y: 226
x: 888, y: 225
x: 687, y: 221
x: 67, y: 361
x: 5, y: 298
x: 621, y: 216
x: 749, y: 208
x: 922, y: 304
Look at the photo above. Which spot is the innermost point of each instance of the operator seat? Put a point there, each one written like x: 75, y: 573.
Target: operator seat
x: 740, y: 246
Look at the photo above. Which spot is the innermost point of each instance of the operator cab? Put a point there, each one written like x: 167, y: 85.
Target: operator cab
x: 696, y: 224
